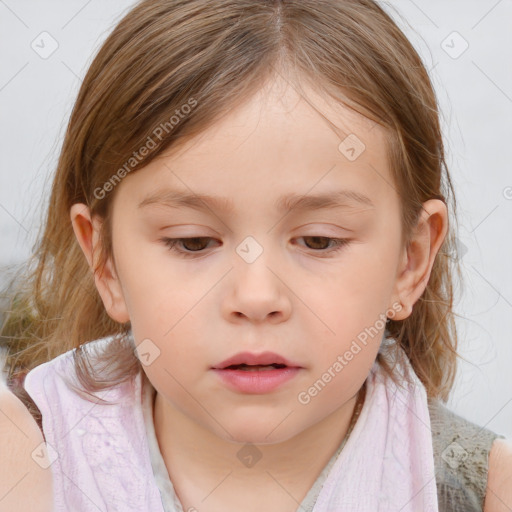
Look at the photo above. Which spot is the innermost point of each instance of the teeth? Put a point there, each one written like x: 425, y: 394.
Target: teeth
x: 255, y: 368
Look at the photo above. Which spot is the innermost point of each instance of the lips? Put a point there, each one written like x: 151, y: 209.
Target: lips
x: 256, y: 374
x: 248, y: 359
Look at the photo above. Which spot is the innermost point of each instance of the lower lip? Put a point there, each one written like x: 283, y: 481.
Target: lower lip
x: 257, y: 381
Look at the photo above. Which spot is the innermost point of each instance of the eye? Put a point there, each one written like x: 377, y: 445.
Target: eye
x: 192, y: 245
x: 318, y: 243
x: 186, y: 247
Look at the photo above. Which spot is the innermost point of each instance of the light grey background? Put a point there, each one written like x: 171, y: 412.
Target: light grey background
x: 475, y: 92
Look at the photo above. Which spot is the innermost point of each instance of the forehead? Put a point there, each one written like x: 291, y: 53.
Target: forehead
x: 280, y: 143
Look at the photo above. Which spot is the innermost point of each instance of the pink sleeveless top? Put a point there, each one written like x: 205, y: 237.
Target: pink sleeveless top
x: 102, y: 458
x: 100, y: 452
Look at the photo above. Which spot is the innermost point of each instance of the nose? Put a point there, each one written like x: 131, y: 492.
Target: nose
x: 257, y: 291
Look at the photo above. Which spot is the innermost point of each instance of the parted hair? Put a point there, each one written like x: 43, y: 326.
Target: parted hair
x: 214, y: 54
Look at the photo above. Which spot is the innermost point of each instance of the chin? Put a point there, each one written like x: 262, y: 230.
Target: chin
x: 253, y: 432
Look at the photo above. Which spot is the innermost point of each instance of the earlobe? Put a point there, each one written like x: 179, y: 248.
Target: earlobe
x: 110, y: 290
x: 87, y: 231
x: 419, y: 256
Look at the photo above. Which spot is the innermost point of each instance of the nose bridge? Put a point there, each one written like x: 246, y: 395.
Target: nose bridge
x: 253, y: 263
x: 257, y: 289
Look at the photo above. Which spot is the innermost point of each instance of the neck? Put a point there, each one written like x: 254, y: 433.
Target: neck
x: 198, y: 460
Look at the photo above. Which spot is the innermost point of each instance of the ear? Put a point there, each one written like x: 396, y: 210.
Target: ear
x: 107, y: 282
x: 418, y: 258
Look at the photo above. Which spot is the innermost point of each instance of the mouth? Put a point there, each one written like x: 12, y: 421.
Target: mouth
x: 256, y: 379
x: 254, y: 368
x: 248, y: 361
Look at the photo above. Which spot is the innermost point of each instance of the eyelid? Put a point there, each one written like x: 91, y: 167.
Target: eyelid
x: 171, y: 243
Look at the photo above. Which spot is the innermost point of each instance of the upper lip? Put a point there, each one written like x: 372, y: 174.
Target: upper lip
x: 265, y: 358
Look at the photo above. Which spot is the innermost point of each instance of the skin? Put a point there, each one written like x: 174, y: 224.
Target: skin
x: 24, y: 484
x: 498, y: 495
x: 296, y: 299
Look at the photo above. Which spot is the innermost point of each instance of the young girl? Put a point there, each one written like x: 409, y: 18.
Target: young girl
x: 243, y: 292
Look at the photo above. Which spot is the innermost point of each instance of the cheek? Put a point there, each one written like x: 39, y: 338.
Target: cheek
x: 155, y: 287
x: 371, y: 272
x: 174, y: 365
x: 355, y: 292
x: 352, y: 305
x: 337, y: 381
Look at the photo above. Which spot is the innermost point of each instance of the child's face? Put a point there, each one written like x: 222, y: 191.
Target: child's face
x: 260, y: 280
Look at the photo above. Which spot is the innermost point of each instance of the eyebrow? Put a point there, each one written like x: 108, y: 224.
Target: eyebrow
x: 202, y: 202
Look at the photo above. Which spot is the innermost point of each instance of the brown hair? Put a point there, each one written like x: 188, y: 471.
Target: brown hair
x: 165, y: 54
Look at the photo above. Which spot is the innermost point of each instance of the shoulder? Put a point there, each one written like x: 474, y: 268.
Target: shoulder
x: 464, y: 456
x: 25, y: 484
x: 499, y: 483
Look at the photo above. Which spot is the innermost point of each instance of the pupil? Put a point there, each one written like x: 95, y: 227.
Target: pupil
x: 192, y: 242
x: 316, y: 239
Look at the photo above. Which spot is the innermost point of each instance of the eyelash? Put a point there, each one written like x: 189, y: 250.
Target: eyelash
x: 171, y: 243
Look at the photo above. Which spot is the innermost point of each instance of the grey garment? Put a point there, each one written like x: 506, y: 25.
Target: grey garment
x: 461, y: 459
x: 461, y: 452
